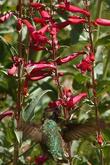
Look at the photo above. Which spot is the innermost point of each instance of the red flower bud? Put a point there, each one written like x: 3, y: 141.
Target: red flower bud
x: 100, y: 139
x: 55, y: 104
x: 72, y: 8
x: 40, y: 160
x: 103, y: 22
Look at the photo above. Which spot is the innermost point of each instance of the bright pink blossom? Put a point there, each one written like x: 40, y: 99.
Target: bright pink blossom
x: 39, y: 39
x: 29, y: 25
x: 43, y: 30
x: 5, y: 17
x: 76, y: 20
x: 45, y: 14
x: 61, y: 25
x: 72, y: 8
x: 86, y: 64
x: 69, y: 58
x: 38, y: 75
x: 73, y: 100
x: 102, y: 21
x: 40, y: 66
x: 37, y: 5
x: 69, y: 100
x: 39, y: 20
x: 37, y: 71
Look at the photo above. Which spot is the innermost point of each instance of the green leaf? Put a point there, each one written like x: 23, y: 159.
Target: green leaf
x: 29, y: 111
x: 19, y: 135
x: 103, y: 40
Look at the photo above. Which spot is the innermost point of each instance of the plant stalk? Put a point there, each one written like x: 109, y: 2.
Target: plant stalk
x: 95, y: 99
x: 18, y: 102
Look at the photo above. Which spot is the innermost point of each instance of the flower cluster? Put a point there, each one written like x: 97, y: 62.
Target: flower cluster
x: 69, y: 100
x: 44, y: 36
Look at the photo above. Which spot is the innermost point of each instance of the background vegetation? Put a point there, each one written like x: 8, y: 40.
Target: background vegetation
x: 84, y: 147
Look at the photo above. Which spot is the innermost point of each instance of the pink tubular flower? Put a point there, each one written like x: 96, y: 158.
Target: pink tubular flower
x: 12, y: 71
x: 6, y: 114
x: 61, y: 25
x: 43, y: 30
x: 69, y: 58
x: 103, y: 22
x: 92, y: 57
x: 37, y: 5
x: 40, y: 66
x: 39, y: 20
x: 29, y: 25
x: 38, y: 75
x: 73, y: 100
x: 70, y: 21
x: 5, y: 17
x: 72, y: 8
x: 70, y: 101
x: 86, y: 64
x: 76, y: 20
x: 39, y: 38
x: 55, y: 104
x: 45, y: 14
x: 37, y: 71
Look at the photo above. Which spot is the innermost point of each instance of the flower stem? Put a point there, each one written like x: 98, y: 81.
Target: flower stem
x: 18, y: 102
x: 95, y: 99
x: 56, y: 71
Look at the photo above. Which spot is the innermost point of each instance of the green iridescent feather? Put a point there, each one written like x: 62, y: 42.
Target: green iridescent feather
x: 53, y: 139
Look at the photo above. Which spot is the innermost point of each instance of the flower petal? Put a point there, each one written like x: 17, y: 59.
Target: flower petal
x: 103, y: 22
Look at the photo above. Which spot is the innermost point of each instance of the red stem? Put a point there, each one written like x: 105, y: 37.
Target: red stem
x: 95, y: 99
